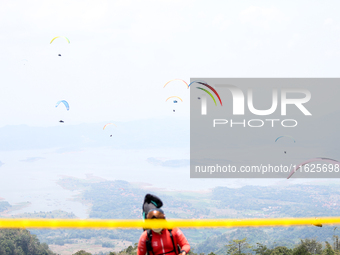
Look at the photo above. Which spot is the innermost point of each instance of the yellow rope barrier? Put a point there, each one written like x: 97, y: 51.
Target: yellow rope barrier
x: 169, y: 224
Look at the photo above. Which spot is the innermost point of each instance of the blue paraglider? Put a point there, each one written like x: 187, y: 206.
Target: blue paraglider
x: 64, y: 102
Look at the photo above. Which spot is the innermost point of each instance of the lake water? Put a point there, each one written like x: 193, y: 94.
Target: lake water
x: 32, y: 175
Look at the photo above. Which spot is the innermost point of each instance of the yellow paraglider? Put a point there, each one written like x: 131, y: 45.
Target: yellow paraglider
x: 60, y: 37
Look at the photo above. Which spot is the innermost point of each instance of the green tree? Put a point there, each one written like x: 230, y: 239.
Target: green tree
x: 238, y: 247
x: 301, y: 250
x: 281, y: 250
x: 131, y: 250
x: 21, y: 242
x: 82, y: 252
x: 312, y: 246
x: 191, y: 252
x: 336, y: 242
x: 328, y: 250
x: 262, y: 249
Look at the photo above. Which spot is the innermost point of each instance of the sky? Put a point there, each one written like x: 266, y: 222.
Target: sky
x: 121, y: 53
x: 120, y: 56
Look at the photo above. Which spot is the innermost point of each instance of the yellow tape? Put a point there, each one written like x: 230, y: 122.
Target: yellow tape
x: 169, y: 224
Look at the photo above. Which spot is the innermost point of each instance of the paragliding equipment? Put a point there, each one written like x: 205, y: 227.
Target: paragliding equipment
x: 61, y: 43
x: 173, y: 97
x: 67, y: 106
x: 208, y: 94
x: 60, y: 37
x: 174, y: 101
x: 108, y: 124
x: 65, y: 103
x: 288, y: 136
x: 283, y: 137
x: 177, y: 80
x: 197, y: 81
x: 328, y: 160
x: 212, y: 89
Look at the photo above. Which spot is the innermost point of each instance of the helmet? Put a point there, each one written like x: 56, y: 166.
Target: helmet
x: 151, y: 202
x: 156, y: 214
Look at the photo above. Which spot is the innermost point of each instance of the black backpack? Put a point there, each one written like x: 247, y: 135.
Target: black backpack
x: 149, y: 250
x: 153, y: 202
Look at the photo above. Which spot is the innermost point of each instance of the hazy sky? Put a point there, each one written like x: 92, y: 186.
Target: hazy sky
x: 123, y: 52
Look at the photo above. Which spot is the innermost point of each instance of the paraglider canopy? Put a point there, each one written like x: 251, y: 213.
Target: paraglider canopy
x: 60, y: 37
x: 288, y: 136
x: 175, y: 99
x: 108, y: 125
x: 65, y: 103
x: 177, y: 80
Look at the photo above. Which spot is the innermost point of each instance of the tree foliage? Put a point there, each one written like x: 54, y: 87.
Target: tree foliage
x: 281, y: 250
x: 238, y: 247
x: 82, y: 252
x: 21, y: 242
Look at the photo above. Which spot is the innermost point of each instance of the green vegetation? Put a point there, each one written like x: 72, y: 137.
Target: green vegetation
x: 242, y: 247
x: 58, y: 214
x: 82, y: 252
x: 272, y: 201
x: 238, y: 247
x: 122, y: 200
x: 69, y: 236
x: 21, y: 242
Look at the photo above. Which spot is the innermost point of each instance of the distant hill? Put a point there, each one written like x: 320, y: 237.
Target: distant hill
x: 136, y: 134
